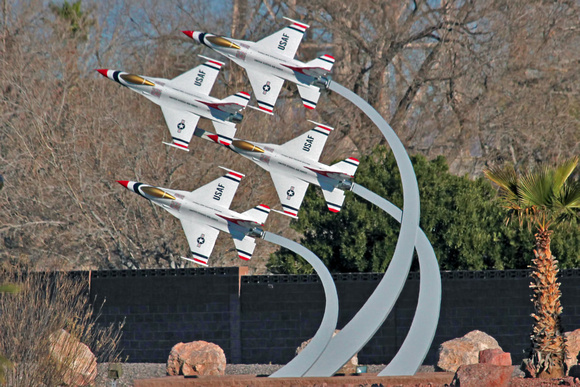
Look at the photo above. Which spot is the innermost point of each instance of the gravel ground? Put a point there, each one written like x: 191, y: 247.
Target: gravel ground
x: 133, y: 371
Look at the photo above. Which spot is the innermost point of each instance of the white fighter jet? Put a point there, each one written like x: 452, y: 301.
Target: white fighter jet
x: 295, y: 164
x: 185, y: 98
x: 270, y: 61
x: 205, y: 212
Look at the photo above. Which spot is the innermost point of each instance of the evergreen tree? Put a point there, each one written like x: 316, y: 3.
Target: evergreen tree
x: 460, y: 217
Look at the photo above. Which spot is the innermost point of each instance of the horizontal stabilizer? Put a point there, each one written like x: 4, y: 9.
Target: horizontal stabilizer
x: 334, y: 199
x: 309, y: 94
x: 202, y: 262
x: 245, y: 247
x: 225, y: 132
x: 259, y: 213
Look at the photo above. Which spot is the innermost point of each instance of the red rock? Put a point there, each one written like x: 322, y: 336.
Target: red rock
x: 478, y: 375
x: 495, y: 356
x: 79, y: 364
x: 196, y: 358
x: 464, y: 350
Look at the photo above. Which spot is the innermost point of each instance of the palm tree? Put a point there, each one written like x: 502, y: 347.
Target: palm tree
x: 543, y: 198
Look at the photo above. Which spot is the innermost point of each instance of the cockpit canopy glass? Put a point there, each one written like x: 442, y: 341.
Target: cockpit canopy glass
x: 157, y: 193
x: 136, y: 80
x: 247, y: 146
x: 222, y: 42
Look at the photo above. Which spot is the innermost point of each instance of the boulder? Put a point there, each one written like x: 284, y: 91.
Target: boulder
x: 572, y: 348
x: 196, y: 358
x: 464, y: 350
x: 347, y: 369
x: 477, y: 375
x: 75, y: 359
x: 495, y: 356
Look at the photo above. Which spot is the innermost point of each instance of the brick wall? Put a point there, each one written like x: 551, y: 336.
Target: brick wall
x: 263, y: 319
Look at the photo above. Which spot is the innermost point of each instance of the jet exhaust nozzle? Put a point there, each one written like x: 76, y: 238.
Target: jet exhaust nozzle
x: 236, y: 118
x: 256, y: 232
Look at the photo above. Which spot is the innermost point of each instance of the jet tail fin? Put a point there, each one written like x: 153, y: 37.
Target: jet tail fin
x: 348, y: 166
x: 259, y: 213
x: 240, y: 98
x: 321, y: 65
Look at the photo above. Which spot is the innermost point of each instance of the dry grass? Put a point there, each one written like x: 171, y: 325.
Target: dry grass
x: 33, y: 317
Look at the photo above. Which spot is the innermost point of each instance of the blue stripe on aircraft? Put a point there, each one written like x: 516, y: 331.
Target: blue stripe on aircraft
x: 232, y: 178
x: 320, y: 131
x: 295, y: 29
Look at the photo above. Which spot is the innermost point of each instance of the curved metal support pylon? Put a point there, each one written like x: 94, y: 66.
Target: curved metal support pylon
x: 303, y: 361
x: 371, y: 316
x: 418, y: 341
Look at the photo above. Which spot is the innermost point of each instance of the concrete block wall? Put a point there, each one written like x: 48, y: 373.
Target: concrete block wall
x: 164, y: 307
x: 262, y: 319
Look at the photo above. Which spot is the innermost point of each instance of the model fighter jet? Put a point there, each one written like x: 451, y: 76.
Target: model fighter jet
x: 205, y: 212
x: 295, y: 164
x: 184, y: 99
x: 270, y: 61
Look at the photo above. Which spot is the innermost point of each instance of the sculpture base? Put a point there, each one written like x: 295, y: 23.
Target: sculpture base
x: 434, y: 379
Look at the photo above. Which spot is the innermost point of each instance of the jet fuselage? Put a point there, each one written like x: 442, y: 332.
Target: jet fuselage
x: 274, y: 160
x: 177, y: 204
x: 251, y: 57
x: 157, y: 91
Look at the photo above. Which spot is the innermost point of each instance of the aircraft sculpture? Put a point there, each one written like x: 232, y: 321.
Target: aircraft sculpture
x: 185, y: 98
x: 295, y: 164
x: 205, y: 212
x: 270, y: 61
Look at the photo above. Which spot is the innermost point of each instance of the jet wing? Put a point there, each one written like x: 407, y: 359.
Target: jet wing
x: 285, y: 41
x: 291, y: 192
x: 266, y: 88
x: 181, y: 125
x: 310, y: 144
x: 219, y: 192
x: 201, y: 239
x: 200, y: 79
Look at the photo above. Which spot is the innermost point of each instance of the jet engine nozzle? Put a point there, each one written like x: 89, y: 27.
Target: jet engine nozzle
x: 236, y: 118
x: 256, y: 232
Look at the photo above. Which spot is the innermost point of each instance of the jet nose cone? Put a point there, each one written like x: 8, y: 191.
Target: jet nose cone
x: 192, y: 34
x: 103, y: 72
x: 124, y: 183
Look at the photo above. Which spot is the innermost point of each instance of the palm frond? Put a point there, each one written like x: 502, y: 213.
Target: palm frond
x: 507, y: 180
x: 563, y: 171
x: 536, y: 188
x: 568, y: 202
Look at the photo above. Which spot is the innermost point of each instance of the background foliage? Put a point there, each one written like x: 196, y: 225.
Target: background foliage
x: 462, y: 218
x: 475, y: 81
